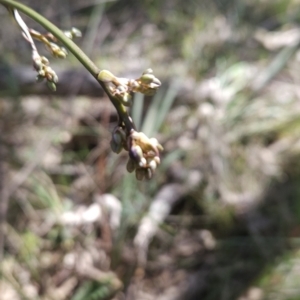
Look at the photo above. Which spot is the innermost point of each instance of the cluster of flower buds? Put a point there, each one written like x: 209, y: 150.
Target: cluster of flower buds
x: 118, y: 87
x: 143, y: 151
x: 41, y: 65
x: 147, y: 84
x: 143, y: 155
x: 73, y: 33
x: 118, y: 141
x: 50, y: 42
x: 122, y: 88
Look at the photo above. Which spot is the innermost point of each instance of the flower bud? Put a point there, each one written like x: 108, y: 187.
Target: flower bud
x: 54, y: 78
x: 155, y: 84
x: 116, y: 147
x: 147, y: 78
x: 157, y: 160
x: 53, y: 47
x: 143, y: 162
x: 118, y: 136
x: 136, y: 153
x: 126, y: 99
x: 49, y: 76
x: 60, y: 54
x: 106, y: 76
x: 68, y: 34
x: 51, y: 85
x: 76, y: 32
x: 44, y: 60
x: 131, y: 165
x: 37, y: 64
x: 152, y: 165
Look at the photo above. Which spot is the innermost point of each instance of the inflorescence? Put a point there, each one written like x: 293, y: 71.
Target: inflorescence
x: 144, y: 152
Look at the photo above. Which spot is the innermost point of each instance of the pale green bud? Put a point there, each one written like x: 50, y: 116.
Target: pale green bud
x: 60, y: 53
x: 68, y: 34
x: 106, y: 76
x: 147, y: 78
x: 51, y: 85
x: 45, y: 60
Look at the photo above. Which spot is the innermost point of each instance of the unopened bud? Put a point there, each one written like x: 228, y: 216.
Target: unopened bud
x: 45, y: 60
x: 157, y: 160
x: 76, y: 32
x: 131, y: 165
x: 54, y: 78
x: 49, y: 77
x: 53, y: 47
x: 126, y: 99
x: 136, y: 153
x: 143, y: 162
x: 147, y: 78
x: 106, y: 76
x: 68, y: 34
x: 117, y: 137
x: 51, y: 85
x: 116, y: 147
x: 60, y: 54
x: 37, y: 64
x: 155, y: 83
x: 152, y: 165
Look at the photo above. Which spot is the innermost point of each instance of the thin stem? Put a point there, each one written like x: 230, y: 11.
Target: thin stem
x: 75, y: 50
x: 72, y: 47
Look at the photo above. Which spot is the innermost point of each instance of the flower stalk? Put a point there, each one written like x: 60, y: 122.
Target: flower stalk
x: 143, y: 151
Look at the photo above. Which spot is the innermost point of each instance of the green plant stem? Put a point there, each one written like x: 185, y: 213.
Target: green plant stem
x: 75, y: 50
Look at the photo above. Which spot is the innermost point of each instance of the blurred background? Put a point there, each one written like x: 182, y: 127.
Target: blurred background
x: 221, y: 217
